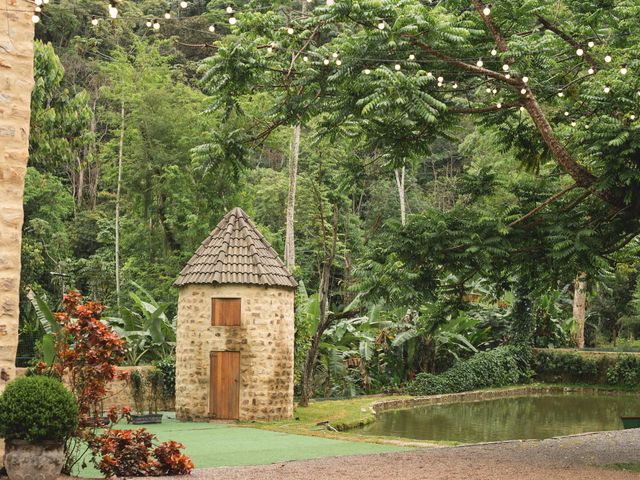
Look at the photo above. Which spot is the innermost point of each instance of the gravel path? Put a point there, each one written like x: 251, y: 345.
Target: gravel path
x: 575, y: 457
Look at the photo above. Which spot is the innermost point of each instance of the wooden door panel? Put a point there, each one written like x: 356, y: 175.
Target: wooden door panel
x: 225, y: 312
x: 224, y: 396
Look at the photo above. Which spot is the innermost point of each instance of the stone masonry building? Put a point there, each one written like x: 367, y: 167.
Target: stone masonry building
x: 235, y: 334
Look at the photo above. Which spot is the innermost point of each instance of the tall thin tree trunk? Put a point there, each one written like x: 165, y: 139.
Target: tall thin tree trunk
x: 400, y: 173
x: 580, y: 307
x: 118, y: 190
x: 289, y: 245
x: 80, y: 187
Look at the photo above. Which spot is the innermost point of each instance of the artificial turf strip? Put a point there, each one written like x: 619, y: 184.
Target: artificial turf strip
x: 217, y: 445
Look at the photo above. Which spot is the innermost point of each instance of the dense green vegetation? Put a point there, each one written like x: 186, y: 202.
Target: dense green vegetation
x: 431, y: 222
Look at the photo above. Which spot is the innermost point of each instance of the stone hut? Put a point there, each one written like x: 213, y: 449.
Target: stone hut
x: 235, y: 334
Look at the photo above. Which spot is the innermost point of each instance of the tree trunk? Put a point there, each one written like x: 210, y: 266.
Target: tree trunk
x: 289, y: 245
x: 580, y: 307
x: 400, y: 173
x: 118, y: 190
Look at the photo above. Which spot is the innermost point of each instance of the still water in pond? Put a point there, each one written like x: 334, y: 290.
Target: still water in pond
x: 532, y: 416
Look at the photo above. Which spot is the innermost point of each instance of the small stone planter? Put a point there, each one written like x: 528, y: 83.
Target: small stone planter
x: 146, y: 419
x: 28, y: 461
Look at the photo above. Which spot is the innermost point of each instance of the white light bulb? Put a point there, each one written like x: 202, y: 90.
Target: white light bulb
x: 330, y: 3
x: 35, y: 18
x: 38, y: 9
x: 397, y: 66
x: 505, y: 67
x: 606, y: 89
x: 455, y: 85
x: 523, y: 91
x: 586, y: 127
x: 494, y: 91
x: 233, y: 20
x: 229, y: 9
x: 488, y: 90
x: 113, y: 11
x: 326, y: 61
x: 439, y: 84
x: 624, y: 70
x: 367, y: 71
x: 573, y: 124
x: 156, y: 25
x: 440, y: 79
x: 522, y: 109
x: 305, y: 59
x: 269, y: 49
x: 38, y: 2
x: 381, y: 26
x: 480, y: 63
x: 632, y: 116
x: 566, y: 114
x: 430, y: 75
x: 148, y: 23
x: 334, y: 54
x: 525, y: 79
x: 212, y: 28
x: 499, y: 105
x: 486, y: 11
x: 507, y: 76
x: 45, y: 1
x: 412, y: 56
x: 94, y: 21
x: 290, y: 31
x: 167, y: 15
x: 591, y: 44
x: 494, y: 52
x: 183, y: 4
x: 591, y: 71
x: 338, y: 62
x: 579, y: 52
x: 607, y: 58
x: 561, y: 94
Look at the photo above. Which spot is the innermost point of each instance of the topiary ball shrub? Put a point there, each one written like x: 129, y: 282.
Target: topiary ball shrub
x: 37, y: 409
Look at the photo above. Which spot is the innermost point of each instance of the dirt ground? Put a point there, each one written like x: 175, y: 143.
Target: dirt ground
x: 576, y: 457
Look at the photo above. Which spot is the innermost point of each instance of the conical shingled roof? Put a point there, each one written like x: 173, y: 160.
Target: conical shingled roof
x: 236, y: 252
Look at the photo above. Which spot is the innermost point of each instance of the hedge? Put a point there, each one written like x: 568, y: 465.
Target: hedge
x: 494, y: 368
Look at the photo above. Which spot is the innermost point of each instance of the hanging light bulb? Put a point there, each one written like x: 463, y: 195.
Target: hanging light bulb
x: 167, y: 14
x: 607, y: 58
x: 494, y: 91
x: 113, y: 10
x: 290, y: 31
x: 623, y: 69
x: 580, y: 52
x: 586, y: 127
x: 148, y: 23
x: 591, y: 71
x: 156, y: 25
x: 561, y: 94
x: 381, y: 25
x: 330, y: 3
x: 45, y: 1
x: 455, y: 85
x: 566, y: 114
x: 591, y: 44
x: 499, y: 105
x: 487, y: 10
x: 94, y: 21
x: 488, y: 90
x: 480, y: 63
x: 212, y: 28
x: 494, y: 52
x: 606, y: 89
x: 397, y: 67
x: 440, y: 79
x: 233, y: 20
x: 229, y: 9
x: 38, y: 9
x: 270, y: 49
x: 522, y: 109
x: 183, y: 4
x: 505, y: 67
x: 523, y: 91
x: 367, y: 71
x: 525, y: 79
x: 305, y: 59
x: 573, y: 123
x: 38, y: 2
x: 338, y: 62
x: 632, y: 116
x: 412, y: 57
x: 334, y: 54
x: 507, y: 76
x: 430, y: 75
x: 326, y: 61
x: 439, y: 84
x: 35, y: 18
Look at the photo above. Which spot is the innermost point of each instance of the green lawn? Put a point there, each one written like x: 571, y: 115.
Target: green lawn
x: 216, y: 445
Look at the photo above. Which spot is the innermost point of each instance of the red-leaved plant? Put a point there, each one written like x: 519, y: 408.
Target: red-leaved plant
x: 87, y: 352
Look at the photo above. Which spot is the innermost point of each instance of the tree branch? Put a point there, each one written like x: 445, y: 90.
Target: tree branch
x: 492, y: 108
x: 567, y: 38
x: 501, y: 43
x: 548, y: 201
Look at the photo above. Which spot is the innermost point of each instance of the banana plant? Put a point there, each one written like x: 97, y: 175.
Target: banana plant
x: 49, y: 324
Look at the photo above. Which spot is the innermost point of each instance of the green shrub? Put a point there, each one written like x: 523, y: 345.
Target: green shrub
x: 550, y: 366
x: 624, y: 371
x: 494, y: 368
x: 37, y: 409
x: 168, y: 369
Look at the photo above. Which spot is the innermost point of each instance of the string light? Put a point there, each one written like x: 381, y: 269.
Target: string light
x: 607, y: 58
x: 290, y: 31
x: 113, y: 10
x: 632, y: 116
x: 494, y: 91
x: 591, y: 44
x: 229, y: 9
x: 367, y: 71
x: 233, y: 20
x: 522, y: 109
x: 156, y: 25
x: 487, y: 10
x: 167, y: 14
x: 35, y: 18
x: 507, y: 76
x: 440, y: 79
x: 330, y: 3
x: 148, y: 23
x: 397, y: 67
x: 499, y: 105
x: 586, y: 127
x: 212, y: 28
x: 606, y: 89
x: 523, y: 91
x: 494, y: 52
x: 488, y: 90
x: 573, y: 123
x: 455, y: 85
x: 566, y: 114
x: 338, y: 62
x: 334, y: 54
x: 381, y: 25
x: 38, y: 2
x: 505, y: 67
x: 591, y: 71
x: 525, y: 79
x: 623, y: 69
x: 94, y: 21
x: 412, y: 57
x: 326, y: 61
x: 430, y: 75
x: 305, y: 59
x: 270, y: 49
x: 480, y: 63
x: 579, y: 52
x: 561, y: 94
x: 183, y: 4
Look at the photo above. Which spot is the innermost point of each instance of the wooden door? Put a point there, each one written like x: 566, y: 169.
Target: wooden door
x: 224, y: 395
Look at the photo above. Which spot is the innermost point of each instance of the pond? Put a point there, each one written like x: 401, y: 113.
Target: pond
x: 522, y: 417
